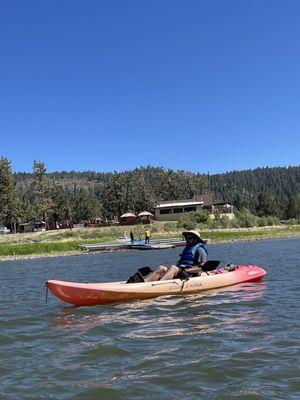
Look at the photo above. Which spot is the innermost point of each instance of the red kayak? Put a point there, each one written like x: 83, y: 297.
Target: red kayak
x: 87, y: 294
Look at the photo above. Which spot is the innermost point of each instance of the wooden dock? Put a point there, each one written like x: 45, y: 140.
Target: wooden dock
x: 158, y: 246
x: 137, y: 245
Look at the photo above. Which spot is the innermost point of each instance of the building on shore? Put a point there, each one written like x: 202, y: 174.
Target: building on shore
x: 221, y: 209
x: 99, y: 222
x: 128, y: 219
x: 173, y: 210
x: 146, y: 217
x: 32, y: 226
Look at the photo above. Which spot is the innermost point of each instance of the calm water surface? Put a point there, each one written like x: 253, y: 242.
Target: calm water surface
x: 239, y: 342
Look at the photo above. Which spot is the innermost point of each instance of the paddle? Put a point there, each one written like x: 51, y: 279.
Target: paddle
x: 208, y: 266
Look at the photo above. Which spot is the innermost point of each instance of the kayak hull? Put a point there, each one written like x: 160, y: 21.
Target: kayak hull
x: 87, y: 294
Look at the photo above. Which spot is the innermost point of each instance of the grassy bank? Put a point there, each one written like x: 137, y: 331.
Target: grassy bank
x: 67, y: 241
x: 252, y: 234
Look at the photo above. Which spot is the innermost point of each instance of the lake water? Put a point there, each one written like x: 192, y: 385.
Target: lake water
x: 239, y: 342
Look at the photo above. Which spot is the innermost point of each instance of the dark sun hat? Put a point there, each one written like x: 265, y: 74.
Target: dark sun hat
x: 194, y: 234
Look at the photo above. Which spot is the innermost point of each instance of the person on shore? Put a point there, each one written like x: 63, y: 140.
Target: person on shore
x: 131, y: 237
x: 147, y: 236
x: 194, y: 254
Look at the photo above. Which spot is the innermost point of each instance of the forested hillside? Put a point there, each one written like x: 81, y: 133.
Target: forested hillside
x: 237, y: 187
x: 243, y: 187
x: 118, y: 192
x: 78, y: 196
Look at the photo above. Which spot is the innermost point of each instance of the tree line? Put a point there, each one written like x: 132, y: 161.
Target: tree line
x: 263, y: 191
x: 80, y: 196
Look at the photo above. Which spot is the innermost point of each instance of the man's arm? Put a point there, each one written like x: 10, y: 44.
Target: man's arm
x: 201, y: 257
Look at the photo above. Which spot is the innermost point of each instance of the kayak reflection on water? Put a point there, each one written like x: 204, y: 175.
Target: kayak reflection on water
x: 196, y: 309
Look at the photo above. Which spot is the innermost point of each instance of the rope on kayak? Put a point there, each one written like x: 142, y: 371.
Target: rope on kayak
x: 46, y: 295
x: 183, y: 282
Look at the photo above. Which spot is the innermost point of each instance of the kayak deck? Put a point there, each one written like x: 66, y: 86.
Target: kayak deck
x: 85, y: 294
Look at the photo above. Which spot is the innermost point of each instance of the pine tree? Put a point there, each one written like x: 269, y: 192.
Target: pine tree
x: 42, y: 199
x: 85, y: 206
x: 112, y: 196
x: 266, y: 205
x: 9, y: 198
x: 61, y: 205
x: 293, y: 207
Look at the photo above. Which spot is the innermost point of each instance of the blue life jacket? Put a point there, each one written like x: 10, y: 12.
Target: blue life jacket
x: 188, y: 256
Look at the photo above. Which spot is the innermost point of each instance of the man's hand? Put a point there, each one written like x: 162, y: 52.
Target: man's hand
x: 195, y: 270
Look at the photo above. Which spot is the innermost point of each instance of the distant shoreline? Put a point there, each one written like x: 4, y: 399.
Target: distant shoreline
x: 238, y: 235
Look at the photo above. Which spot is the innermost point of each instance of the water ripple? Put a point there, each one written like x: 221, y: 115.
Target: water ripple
x: 239, y: 342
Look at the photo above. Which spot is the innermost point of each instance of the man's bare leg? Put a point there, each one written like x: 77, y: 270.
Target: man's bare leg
x: 157, y: 274
x: 171, y: 273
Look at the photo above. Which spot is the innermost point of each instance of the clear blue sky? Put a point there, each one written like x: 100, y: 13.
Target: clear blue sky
x: 202, y: 85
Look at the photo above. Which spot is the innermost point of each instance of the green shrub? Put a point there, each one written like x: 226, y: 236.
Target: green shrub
x: 272, y: 220
x: 212, y: 224
x: 246, y: 219
x: 170, y: 226
x: 187, y: 221
x: 224, y: 222
x: 153, y: 228
x: 292, y: 221
x: 200, y: 217
x: 262, y: 221
x: 268, y: 221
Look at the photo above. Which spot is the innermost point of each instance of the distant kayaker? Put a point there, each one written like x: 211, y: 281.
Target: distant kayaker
x: 147, y: 236
x: 194, y: 254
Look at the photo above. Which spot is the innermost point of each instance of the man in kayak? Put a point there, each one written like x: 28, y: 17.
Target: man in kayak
x: 194, y: 255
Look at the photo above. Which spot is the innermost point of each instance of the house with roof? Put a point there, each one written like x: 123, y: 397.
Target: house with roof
x: 173, y: 210
x: 221, y: 209
x: 146, y: 217
x: 128, y: 219
x: 32, y: 226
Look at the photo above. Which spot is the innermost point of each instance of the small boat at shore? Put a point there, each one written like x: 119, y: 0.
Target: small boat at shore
x: 88, y: 294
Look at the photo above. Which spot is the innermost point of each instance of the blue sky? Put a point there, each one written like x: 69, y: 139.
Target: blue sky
x: 202, y: 85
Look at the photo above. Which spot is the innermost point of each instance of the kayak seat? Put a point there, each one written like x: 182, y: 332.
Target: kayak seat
x: 145, y: 271
x: 136, y: 278
x: 139, y: 276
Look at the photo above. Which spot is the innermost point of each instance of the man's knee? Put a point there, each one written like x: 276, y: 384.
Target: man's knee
x: 174, y: 269
x: 171, y: 273
x: 157, y: 274
x: 162, y: 269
